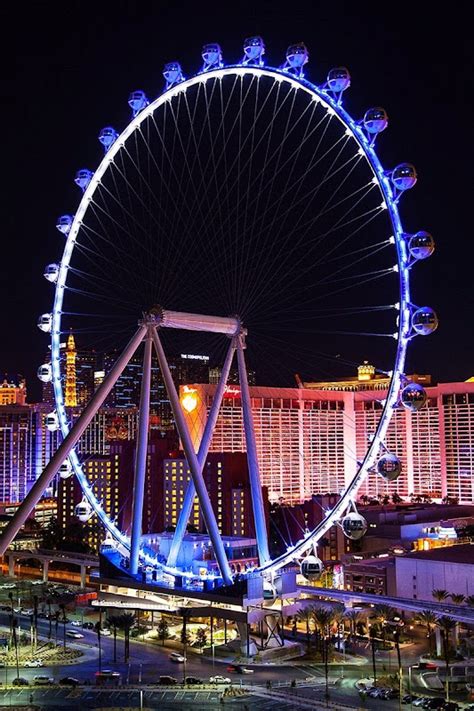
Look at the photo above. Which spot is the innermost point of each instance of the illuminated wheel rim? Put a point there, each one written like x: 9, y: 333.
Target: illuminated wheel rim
x: 390, y: 197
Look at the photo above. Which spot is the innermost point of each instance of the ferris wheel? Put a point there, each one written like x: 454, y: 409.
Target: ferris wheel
x: 244, y: 189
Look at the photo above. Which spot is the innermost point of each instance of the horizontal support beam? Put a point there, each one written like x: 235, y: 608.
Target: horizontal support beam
x: 228, y: 325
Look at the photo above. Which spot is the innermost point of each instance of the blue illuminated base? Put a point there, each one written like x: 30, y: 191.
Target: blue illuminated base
x: 114, y: 570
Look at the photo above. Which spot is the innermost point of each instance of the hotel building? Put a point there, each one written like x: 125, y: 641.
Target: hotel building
x: 310, y: 438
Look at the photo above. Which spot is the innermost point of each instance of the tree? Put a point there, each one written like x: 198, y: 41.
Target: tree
x: 201, y: 637
x: 440, y: 595
x: 457, y: 598
x: 353, y: 617
x: 373, y: 635
x: 386, y: 500
x: 382, y: 615
x: 396, y: 498
x: 446, y: 624
x: 305, y: 615
x: 126, y: 620
x: 323, y: 618
x: 427, y: 619
x: 470, y: 600
x: 98, y: 629
x: 114, y: 622
x: 163, y: 630
x: 396, y: 639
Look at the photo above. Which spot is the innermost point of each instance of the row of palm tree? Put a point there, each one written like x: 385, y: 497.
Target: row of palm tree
x: 124, y: 622
x: 458, y: 598
x: 446, y: 625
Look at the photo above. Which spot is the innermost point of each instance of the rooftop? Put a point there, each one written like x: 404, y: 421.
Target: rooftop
x: 463, y: 553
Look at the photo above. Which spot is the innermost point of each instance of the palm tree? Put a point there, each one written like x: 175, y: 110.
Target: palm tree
x: 470, y: 600
x: 373, y: 635
x: 323, y: 619
x: 98, y: 629
x: 457, y: 598
x: 126, y: 622
x: 446, y: 624
x: 15, y: 642
x: 396, y: 639
x: 62, y: 607
x: 305, y: 615
x: 428, y: 619
x: 382, y: 615
x: 440, y: 595
x: 114, y: 622
x: 354, y: 617
x: 50, y: 633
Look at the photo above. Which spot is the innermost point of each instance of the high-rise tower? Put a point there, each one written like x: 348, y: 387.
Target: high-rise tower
x: 71, y: 390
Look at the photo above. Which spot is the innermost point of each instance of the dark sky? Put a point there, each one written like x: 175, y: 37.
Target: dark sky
x: 70, y: 66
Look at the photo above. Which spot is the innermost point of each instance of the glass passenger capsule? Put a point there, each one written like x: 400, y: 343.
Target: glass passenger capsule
x: 137, y: 101
x: 254, y: 49
x: 45, y: 322
x: 108, y: 136
x: 424, y: 321
x: 421, y: 245
x: 64, y: 224
x: 338, y: 79
x: 354, y: 525
x: 375, y: 120
x: 413, y: 397
x: 45, y: 373
x: 297, y: 55
x: 389, y: 466
x: 65, y: 470
x: 83, y: 511
x: 83, y: 178
x: 172, y: 74
x: 51, y: 421
x: 404, y: 176
x: 51, y: 272
x: 311, y: 567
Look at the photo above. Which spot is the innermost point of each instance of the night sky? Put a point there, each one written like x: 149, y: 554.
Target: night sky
x: 70, y: 67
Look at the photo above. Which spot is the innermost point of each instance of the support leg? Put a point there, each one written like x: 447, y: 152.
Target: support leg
x: 45, y: 570
x: 68, y: 443
x: 140, y: 459
x: 202, y: 455
x: 254, y: 473
x: 204, y: 500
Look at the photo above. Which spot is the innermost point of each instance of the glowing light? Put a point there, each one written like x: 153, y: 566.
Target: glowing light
x: 189, y: 399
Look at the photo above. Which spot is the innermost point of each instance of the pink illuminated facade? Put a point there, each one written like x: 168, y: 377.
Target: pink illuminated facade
x: 309, y: 440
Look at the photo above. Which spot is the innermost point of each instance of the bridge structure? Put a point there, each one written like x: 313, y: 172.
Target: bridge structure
x: 45, y: 557
x: 351, y: 598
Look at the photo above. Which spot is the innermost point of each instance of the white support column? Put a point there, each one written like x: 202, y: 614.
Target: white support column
x: 202, y: 455
x: 140, y: 458
x: 252, y: 459
x: 204, y: 500
x: 68, y: 443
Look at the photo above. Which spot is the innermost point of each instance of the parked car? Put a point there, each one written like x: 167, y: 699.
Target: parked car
x: 74, y: 635
x: 27, y: 611
x: 434, y: 703
x: 42, y: 680
x: 420, y: 701
x: 451, y: 706
x: 69, y: 681
x: 76, y: 623
x: 177, y: 657
x: 107, y: 677
x: 167, y: 681
x: 218, y: 679
x: 409, y: 698
x: 20, y: 681
x: 32, y: 663
x: 88, y: 625
x: 105, y: 632
x: 192, y: 680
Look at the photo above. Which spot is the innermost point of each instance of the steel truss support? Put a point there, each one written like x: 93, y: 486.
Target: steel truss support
x: 252, y: 459
x: 141, y: 457
x: 202, y: 455
x: 69, y: 442
x: 193, y: 463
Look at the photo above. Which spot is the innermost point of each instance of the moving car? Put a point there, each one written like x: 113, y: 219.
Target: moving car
x: 167, y: 681
x: 87, y: 625
x: 239, y: 669
x: 69, y: 681
x: 105, y: 632
x: 192, y: 680
x: 32, y: 663
x: 20, y: 681
x: 42, y: 680
x: 107, y: 677
x: 177, y: 657
x: 76, y: 623
x: 74, y: 635
x: 218, y: 679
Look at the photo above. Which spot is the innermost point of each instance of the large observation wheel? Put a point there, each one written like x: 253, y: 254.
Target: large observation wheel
x: 245, y: 190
